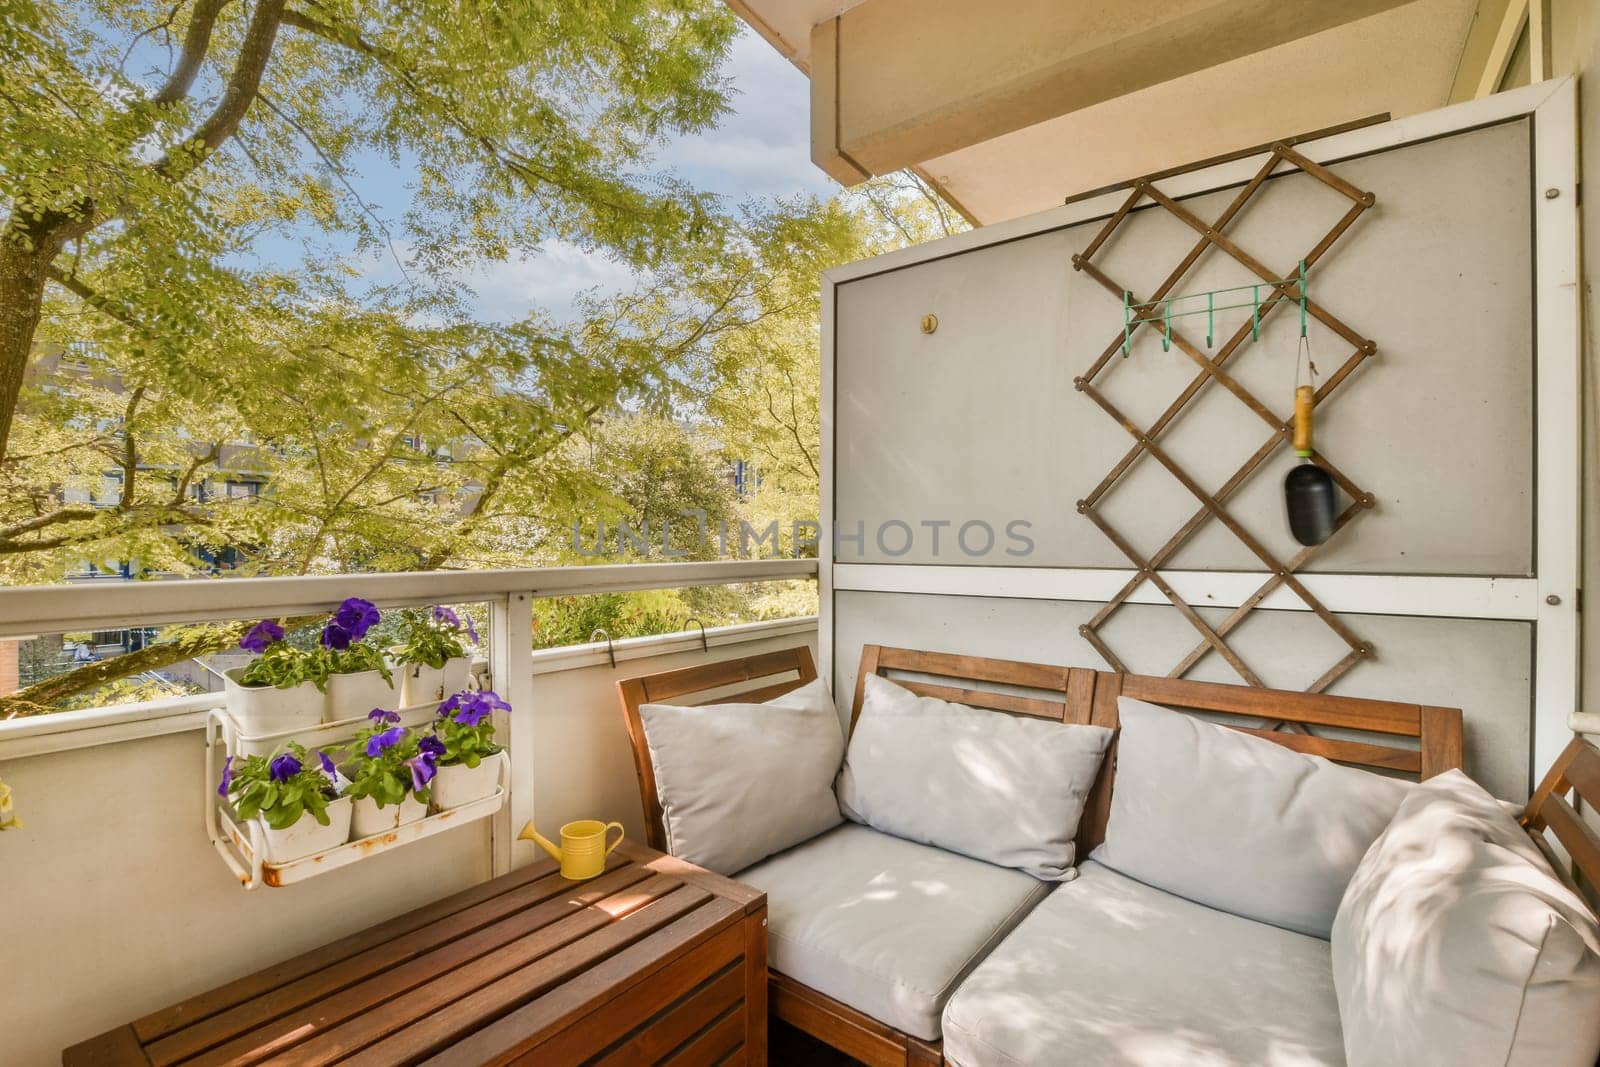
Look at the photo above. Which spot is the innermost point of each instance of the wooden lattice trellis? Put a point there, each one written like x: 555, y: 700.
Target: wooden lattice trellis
x: 1211, y: 369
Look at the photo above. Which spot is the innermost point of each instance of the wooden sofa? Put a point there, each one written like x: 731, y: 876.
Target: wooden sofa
x: 1430, y: 742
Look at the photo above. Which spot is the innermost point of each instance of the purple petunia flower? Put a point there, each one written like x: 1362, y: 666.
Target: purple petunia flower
x: 327, y: 764
x: 472, y: 631
x: 356, y: 616
x: 380, y: 715
x: 284, y: 767
x: 377, y: 744
x: 470, y: 709
x: 446, y: 616
x: 431, y: 746
x: 227, y: 778
x: 422, y: 771
x: 336, y: 637
x: 264, y: 633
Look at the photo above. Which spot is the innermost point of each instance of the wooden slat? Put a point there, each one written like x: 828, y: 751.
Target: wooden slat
x: 338, y: 1023
x: 755, y: 984
x: 560, y: 1027
x: 698, y: 679
x: 1314, y: 709
x: 841, y: 1026
x: 1097, y: 806
x: 1577, y: 768
x: 430, y: 1016
x: 469, y: 923
x: 1442, y: 742
x: 713, y: 1045
x: 631, y: 692
x: 114, y: 1048
x: 975, y: 668
x: 1355, y: 752
x: 1080, y: 696
x: 178, y: 1016
x: 753, y: 696
x: 1576, y: 836
x: 869, y: 665
x: 748, y: 897
x: 987, y: 698
x: 676, y: 1025
x: 1584, y: 773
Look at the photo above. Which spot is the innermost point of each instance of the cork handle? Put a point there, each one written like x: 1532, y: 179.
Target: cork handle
x: 1304, y: 400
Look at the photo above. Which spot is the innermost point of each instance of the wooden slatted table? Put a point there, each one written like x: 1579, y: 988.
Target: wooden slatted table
x: 654, y: 961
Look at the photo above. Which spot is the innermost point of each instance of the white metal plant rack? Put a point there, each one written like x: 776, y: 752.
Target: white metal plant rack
x: 242, y: 843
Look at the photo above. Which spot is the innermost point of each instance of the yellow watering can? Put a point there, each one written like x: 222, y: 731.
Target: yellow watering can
x: 583, y: 848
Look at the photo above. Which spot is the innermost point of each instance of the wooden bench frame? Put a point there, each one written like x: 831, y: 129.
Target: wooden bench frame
x: 1064, y: 694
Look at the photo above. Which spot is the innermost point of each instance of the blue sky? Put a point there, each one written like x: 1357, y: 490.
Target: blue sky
x: 761, y: 149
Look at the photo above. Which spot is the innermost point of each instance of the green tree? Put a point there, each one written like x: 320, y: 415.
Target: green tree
x: 142, y: 142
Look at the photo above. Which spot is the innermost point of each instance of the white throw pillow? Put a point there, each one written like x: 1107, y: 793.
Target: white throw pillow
x: 1236, y: 822
x: 738, y: 782
x: 1002, y: 788
x: 1457, y: 944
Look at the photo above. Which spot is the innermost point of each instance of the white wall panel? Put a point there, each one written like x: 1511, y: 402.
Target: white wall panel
x: 981, y: 420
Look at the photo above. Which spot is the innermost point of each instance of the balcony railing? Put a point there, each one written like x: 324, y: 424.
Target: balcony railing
x: 112, y: 797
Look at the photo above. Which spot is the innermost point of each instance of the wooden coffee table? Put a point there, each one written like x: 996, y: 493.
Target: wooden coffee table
x: 654, y: 959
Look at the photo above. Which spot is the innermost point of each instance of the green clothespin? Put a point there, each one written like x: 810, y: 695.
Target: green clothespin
x: 1302, y: 298
x: 1211, y: 316
x: 1255, y: 313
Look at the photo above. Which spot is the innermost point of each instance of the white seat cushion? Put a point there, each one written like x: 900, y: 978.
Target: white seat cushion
x: 1112, y: 971
x: 885, y: 925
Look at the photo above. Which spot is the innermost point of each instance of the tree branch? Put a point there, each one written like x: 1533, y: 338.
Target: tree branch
x: 241, y: 90
x: 193, y: 53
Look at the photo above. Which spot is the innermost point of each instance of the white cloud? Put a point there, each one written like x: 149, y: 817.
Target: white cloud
x: 763, y: 147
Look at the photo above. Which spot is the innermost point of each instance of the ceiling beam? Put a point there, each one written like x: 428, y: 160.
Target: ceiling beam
x: 898, y: 82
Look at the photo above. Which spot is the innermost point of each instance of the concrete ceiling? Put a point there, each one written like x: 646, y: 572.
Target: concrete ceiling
x: 1399, y: 62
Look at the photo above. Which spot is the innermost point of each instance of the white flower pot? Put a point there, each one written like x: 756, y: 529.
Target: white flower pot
x: 457, y: 785
x: 308, y: 837
x: 422, y: 684
x: 369, y: 820
x: 264, y: 709
x: 352, y: 696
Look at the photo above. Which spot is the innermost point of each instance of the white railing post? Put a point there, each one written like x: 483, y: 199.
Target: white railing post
x: 511, y: 672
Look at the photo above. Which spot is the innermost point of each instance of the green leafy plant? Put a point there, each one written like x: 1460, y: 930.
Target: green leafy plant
x: 390, y: 761
x: 344, y: 648
x: 434, y: 636
x: 281, y: 788
x: 278, y: 663
x: 464, y: 729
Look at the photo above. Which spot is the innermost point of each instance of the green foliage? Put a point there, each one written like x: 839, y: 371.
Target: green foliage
x: 383, y: 776
x: 465, y: 745
x: 255, y: 791
x: 357, y: 659
x: 284, y: 666
x: 429, y: 638
x: 189, y: 405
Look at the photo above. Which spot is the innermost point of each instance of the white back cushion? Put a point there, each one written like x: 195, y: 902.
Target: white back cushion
x: 1456, y: 943
x: 738, y: 782
x: 1239, y: 823
x: 1002, y: 788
